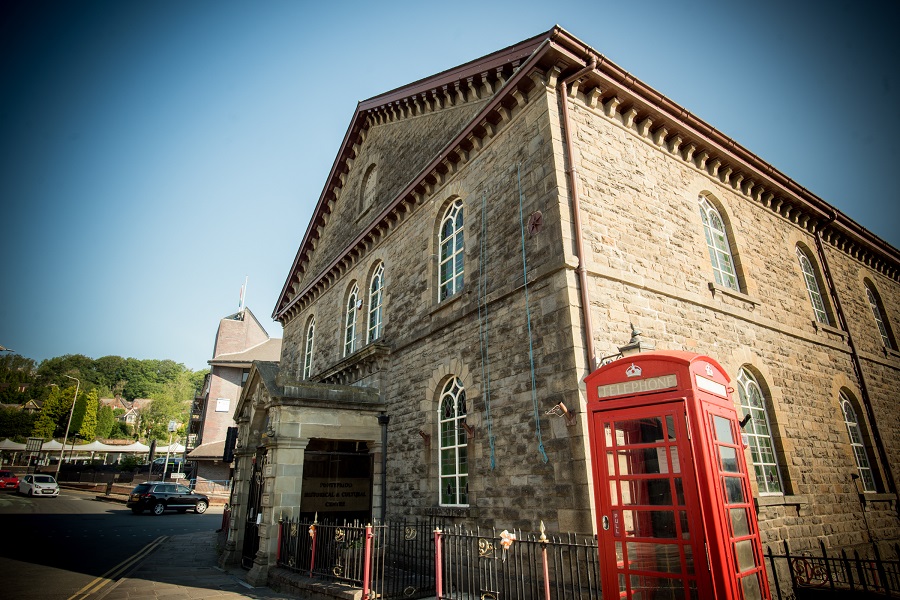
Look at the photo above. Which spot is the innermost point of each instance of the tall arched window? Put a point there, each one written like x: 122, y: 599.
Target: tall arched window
x: 450, y: 239
x: 812, y: 287
x: 376, y: 294
x: 878, y: 312
x: 350, y: 320
x: 759, y: 434
x: 718, y: 244
x: 857, y: 443
x: 308, y: 351
x: 454, y: 465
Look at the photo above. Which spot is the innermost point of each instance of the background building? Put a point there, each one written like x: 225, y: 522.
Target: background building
x: 490, y: 235
x: 240, y: 339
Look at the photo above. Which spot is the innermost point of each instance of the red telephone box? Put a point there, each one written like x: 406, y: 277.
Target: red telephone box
x: 675, y: 516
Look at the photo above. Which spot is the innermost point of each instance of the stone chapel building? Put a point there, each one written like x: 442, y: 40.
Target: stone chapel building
x: 490, y: 235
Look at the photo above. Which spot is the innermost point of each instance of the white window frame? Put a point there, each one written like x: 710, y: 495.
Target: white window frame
x: 857, y: 444
x: 812, y: 287
x: 307, y: 357
x: 718, y: 244
x: 376, y: 295
x: 879, y: 318
x: 451, y: 251
x: 759, y: 435
x: 350, y: 321
x: 453, y: 443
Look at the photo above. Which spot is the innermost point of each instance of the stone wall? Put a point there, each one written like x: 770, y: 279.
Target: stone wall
x: 649, y: 265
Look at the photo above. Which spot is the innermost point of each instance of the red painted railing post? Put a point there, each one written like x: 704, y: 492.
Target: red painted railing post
x: 367, y: 565
x: 438, y: 566
x: 544, y: 541
x: 312, y: 535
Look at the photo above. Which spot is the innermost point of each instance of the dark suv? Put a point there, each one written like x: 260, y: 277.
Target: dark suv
x: 159, y: 497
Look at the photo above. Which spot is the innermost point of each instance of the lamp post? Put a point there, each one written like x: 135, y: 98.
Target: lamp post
x: 66, y: 436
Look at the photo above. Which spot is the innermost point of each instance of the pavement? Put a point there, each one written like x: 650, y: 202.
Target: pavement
x: 179, y: 567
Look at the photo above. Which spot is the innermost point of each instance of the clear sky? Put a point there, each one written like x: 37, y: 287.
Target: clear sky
x: 154, y: 154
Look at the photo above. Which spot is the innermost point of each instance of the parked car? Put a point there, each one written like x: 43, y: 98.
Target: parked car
x: 8, y: 480
x: 39, y: 485
x: 158, y: 497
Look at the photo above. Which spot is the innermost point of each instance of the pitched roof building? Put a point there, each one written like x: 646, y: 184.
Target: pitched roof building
x: 240, y: 340
x: 492, y: 234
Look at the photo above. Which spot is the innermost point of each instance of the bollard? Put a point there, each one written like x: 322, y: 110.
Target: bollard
x: 367, y: 565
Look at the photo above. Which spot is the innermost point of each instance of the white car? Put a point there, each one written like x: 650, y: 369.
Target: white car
x: 39, y: 485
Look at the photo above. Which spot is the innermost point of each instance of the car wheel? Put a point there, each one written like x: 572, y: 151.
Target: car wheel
x: 201, y: 507
x: 159, y: 508
x: 136, y: 511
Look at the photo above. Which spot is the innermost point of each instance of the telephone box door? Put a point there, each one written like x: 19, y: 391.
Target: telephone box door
x: 650, y: 525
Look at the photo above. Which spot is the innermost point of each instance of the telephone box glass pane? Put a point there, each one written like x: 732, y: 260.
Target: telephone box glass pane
x: 729, y: 459
x: 643, y: 461
x: 679, y: 491
x: 688, y: 559
x: 734, y: 491
x: 650, y: 523
x: 723, y: 429
x: 652, y: 492
x: 670, y: 427
x: 743, y: 550
x: 647, y: 556
x: 685, y: 529
x: 676, y: 466
x: 638, y: 431
x: 739, y: 524
x: 750, y: 585
x: 644, y: 587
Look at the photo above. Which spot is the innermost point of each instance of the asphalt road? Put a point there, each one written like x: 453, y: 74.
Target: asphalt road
x: 52, y: 547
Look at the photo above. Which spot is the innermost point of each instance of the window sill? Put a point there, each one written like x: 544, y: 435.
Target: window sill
x: 824, y: 328
x: 891, y: 353
x: 715, y: 288
x: 464, y: 512
x: 869, y: 497
x: 448, y: 301
x: 781, y: 500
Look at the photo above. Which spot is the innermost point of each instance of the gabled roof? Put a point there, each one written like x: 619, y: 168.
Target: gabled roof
x: 546, y: 60
x: 268, y: 350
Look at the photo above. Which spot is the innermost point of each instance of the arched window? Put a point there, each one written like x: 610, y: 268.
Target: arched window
x: 878, y: 312
x: 858, y: 444
x: 350, y: 320
x: 812, y: 287
x: 454, y: 465
x: 450, y: 240
x: 376, y: 294
x: 718, y: 244
x: 759, y: 434
x: 308, y: 350
x: 368, y: 188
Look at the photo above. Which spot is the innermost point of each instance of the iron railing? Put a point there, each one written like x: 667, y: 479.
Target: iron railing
x: 859, y: 570
x: 426, y: 558
x: 402, y: 560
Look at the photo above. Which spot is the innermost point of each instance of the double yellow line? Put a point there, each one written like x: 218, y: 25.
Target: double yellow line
x: 97, y: 584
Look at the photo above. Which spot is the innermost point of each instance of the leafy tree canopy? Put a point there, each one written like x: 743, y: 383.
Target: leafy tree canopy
x: 170, y: 385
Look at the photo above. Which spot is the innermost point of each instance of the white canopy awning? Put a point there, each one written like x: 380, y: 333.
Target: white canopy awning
x: 175, y: 448
x: 8, y: 444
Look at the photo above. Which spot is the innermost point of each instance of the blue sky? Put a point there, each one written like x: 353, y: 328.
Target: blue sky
x: 154, y: 154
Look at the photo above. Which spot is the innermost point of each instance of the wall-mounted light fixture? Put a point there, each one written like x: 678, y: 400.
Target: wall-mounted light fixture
x: 560, y: 410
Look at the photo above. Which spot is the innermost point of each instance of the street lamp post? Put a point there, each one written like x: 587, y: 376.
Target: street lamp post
x: 66, y: 437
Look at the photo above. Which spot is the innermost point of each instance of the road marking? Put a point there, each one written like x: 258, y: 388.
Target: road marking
x: 97, y: 584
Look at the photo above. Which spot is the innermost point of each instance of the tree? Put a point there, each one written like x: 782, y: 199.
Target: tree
x: 15, y: 423
x: 84, y: 419
x: 54, y: 413
x: 105, y: 421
